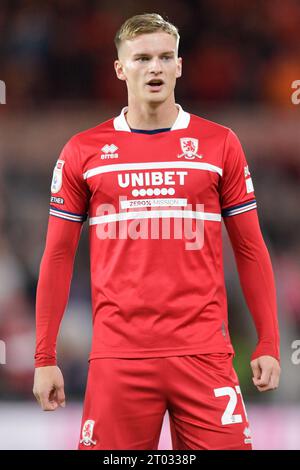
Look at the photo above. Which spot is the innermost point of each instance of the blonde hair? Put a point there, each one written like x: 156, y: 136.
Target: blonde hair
x: 143, y: 24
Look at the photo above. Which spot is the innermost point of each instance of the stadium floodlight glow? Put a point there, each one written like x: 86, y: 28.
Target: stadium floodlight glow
x: 2, y: 92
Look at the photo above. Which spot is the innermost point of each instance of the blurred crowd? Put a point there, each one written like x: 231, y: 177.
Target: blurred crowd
x: 236, y: 53
x: 233, y: 51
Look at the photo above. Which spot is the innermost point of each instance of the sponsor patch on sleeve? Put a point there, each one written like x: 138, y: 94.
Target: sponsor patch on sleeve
x: 57, y: 200
x: 249, y: 185
x: 56, y: 184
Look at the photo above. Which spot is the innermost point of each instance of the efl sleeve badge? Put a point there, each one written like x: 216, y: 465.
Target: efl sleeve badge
x: 57, y: 176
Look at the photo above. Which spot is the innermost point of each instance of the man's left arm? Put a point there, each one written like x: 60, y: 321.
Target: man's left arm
x: 258, y: 285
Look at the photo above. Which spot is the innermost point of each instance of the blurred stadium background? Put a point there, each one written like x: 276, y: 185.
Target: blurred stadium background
x: 56, y: 58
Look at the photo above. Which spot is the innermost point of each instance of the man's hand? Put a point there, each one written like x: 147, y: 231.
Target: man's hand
x: 48, y: 388
x: 266, y: 372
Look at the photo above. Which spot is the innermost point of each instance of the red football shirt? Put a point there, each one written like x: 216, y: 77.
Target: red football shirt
x: 154, y: 204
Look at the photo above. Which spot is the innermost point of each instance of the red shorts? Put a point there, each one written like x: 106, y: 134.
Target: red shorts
x: 126, y: 400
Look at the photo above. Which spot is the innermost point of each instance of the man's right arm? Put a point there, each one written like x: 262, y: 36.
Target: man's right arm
x: 52, y: 295
x: 68, y: 211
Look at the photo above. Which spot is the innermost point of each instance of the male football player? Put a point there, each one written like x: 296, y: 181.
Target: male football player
x: 155, y: 183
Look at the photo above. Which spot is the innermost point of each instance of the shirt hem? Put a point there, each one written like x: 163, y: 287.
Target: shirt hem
x: 159, y: 352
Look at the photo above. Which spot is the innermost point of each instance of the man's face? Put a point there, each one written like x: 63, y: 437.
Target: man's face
x: 146, y: 59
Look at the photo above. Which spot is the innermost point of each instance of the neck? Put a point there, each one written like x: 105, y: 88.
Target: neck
x: 149, y: 116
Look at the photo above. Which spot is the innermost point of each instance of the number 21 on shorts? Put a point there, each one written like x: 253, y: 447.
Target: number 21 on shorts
x: 228, y: 416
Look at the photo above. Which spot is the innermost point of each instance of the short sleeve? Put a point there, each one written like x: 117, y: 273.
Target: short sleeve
x: 236, y: 190
x: 69, y: 192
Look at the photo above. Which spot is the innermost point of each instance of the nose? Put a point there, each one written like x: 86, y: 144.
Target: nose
x: 155, y: 65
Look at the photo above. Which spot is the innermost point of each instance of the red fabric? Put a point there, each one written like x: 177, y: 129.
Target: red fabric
x: 54, y: 285
x: 257, y: 280
x: 161, y: 295
x: 253, y: 264
x: 126, y: 400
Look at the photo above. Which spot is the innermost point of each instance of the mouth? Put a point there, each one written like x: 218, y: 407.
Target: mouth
x: 155, y: 84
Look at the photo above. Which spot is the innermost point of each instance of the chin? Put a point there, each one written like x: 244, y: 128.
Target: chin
x: 156, y: 98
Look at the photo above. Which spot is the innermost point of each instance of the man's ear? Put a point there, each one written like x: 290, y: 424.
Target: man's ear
x: 179, y: 67
x: 119, y: 69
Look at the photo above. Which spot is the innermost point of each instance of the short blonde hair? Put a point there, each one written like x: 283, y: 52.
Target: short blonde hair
x: 143, y: 24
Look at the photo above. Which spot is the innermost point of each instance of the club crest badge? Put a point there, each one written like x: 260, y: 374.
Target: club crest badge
x: 189, y: 147
x: 87, y: 433
x: 57, y: 176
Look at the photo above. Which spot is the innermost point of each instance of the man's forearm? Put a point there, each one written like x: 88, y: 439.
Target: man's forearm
x: 53, y: 287
x: 257, y: 280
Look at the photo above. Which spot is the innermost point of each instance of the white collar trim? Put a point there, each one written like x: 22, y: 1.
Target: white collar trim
x: 182, y: 120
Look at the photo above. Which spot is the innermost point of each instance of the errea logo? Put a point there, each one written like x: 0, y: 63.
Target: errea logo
x: 247, y: 434
x: 109, y: 151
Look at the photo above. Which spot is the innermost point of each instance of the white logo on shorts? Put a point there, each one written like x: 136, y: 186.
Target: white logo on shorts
x: 247, y: 434
x: 87, y: 433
